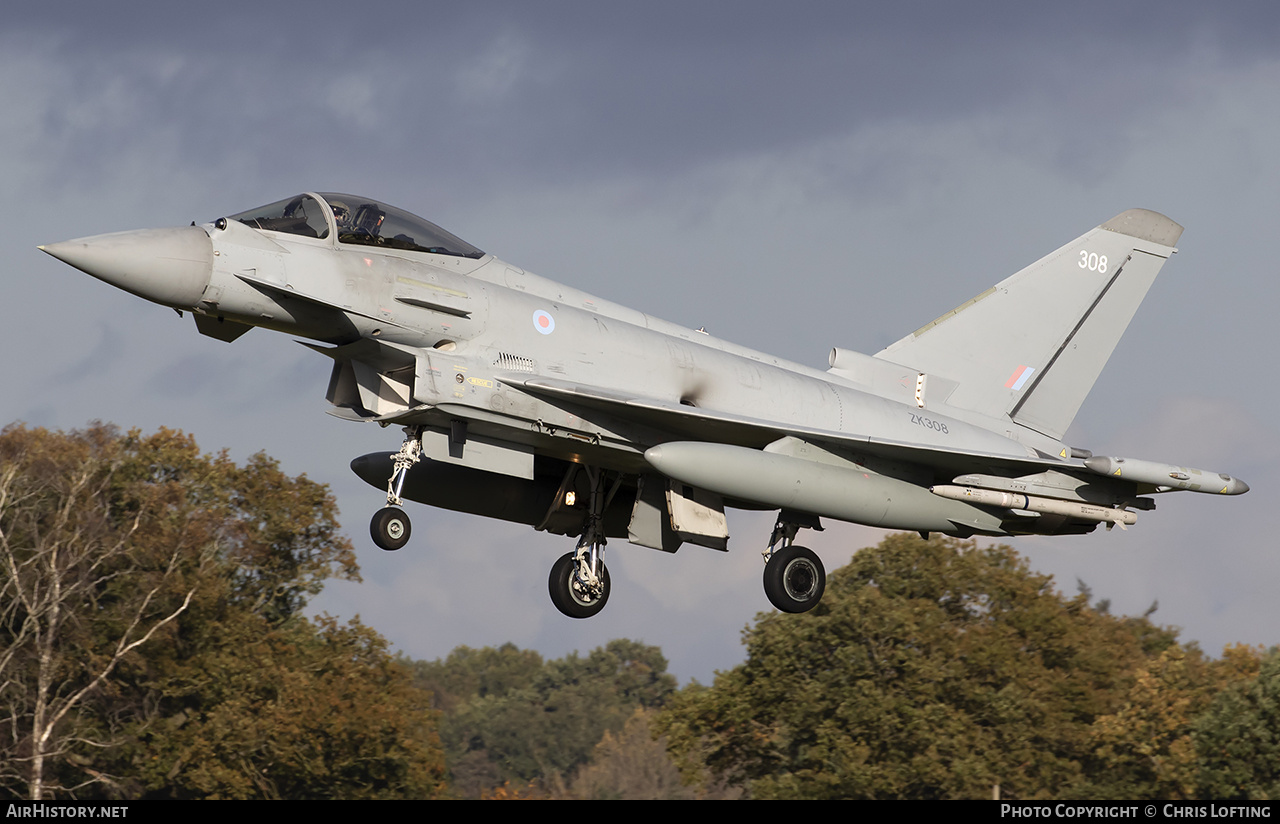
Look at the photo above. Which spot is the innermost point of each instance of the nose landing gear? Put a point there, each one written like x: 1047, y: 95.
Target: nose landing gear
x: 390, y: 527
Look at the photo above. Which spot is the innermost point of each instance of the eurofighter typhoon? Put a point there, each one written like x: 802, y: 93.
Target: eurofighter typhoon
x: 530, y: 401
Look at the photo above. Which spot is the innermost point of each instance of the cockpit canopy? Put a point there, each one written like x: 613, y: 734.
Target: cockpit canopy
x: 358, y: 221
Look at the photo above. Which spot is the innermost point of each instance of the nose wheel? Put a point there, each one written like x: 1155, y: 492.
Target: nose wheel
x: 390, y: 528
x: 390, y: 525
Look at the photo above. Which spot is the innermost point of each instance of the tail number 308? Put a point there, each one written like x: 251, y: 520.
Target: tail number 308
x: 1093, y: 261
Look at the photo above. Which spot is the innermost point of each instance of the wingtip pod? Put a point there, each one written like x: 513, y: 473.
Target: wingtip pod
x: 1167, y: 475
x: 1147, y: 225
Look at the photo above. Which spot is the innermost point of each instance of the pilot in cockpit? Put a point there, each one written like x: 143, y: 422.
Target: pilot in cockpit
x: 341, y: 215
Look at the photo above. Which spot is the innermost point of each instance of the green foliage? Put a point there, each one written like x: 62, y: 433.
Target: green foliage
x: 1145, y: 748
x: 932, y: 669
x: 307, y: 711
x: 1238, y: 738
x: 151, y: 641
x: 278, y: 537
x: 513, y: 719
x: 468, y: 674
x: 631, y: 766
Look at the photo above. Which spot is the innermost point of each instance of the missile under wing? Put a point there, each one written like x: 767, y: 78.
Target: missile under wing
x: 530, y: 401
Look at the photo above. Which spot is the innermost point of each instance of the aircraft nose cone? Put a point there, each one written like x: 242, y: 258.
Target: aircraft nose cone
x: 169, y: 266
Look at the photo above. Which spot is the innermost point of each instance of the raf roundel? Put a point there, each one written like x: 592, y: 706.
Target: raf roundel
x: 543, y: 322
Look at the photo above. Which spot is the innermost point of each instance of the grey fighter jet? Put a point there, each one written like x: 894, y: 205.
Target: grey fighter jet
x: 530, y: 401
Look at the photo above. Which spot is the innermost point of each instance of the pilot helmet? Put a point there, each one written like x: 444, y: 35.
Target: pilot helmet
x: 341, y: 214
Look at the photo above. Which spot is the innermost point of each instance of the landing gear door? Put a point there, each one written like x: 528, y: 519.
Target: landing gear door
x: 697, y: 516
x: 650, y: 526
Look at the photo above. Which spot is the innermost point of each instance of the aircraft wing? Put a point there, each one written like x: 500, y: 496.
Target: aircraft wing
x: 685, y: 422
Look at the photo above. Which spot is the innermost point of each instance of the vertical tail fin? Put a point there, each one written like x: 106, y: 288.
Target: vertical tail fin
x: 1032, y: 346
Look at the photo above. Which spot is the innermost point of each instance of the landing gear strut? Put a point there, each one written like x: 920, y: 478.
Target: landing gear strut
x: 579, y: 581
x: 794, y: 579
x: 390, y: 527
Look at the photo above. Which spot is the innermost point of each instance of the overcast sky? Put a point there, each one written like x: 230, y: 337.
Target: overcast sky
x: 792, y: 176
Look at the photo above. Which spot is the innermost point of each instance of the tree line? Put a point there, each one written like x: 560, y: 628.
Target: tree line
x: 153, y: 645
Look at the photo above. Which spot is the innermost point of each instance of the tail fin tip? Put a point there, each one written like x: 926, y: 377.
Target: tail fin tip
x: 1147, y: 225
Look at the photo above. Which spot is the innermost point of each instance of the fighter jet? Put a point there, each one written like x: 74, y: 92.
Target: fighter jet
x: 527, y: 400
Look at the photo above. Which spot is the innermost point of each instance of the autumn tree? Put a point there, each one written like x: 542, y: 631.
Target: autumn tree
x: 631, y: 765
x: 152, y: 596
x: 313, y: 710
x: 93, y: 567
x: 512, y: 720
x: 1237, y: 739
x: 931, y: 669
x: 1145, y: 748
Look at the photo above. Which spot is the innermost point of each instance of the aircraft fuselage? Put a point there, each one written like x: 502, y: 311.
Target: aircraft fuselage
x: 509, y: 384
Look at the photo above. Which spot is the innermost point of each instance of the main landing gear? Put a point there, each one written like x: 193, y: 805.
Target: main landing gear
x: 579, y: 581
x: 390, y: 527
x: 794, y: 579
